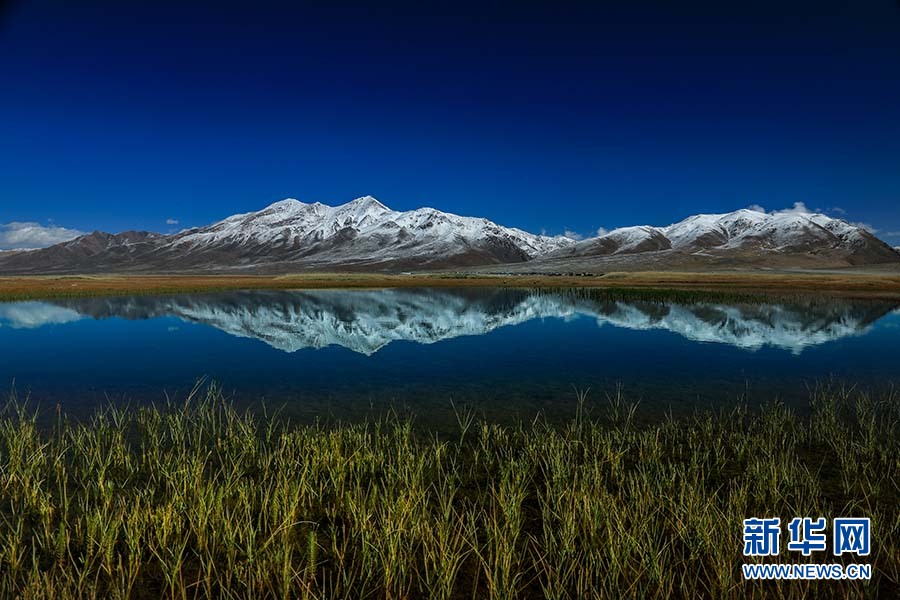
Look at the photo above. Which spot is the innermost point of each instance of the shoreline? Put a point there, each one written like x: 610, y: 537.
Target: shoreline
x: 849, y: 285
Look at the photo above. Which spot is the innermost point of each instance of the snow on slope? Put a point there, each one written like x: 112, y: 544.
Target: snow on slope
x: 288, y: 218
x: 291, y: 223
x: 364, y: 234
x: 742, y: 229
x: 778, y: 230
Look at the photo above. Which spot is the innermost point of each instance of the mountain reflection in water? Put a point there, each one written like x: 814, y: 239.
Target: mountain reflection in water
x: 365, y: 321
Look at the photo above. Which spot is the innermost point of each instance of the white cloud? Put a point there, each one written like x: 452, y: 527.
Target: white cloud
x: 892, y: 234
x: 29, y: 315
x: 19, y: 235
x: 573, y: 235
x: 799, y: 208
x: 602, y: 231
x: 865, y: 226
x: 171, y: 221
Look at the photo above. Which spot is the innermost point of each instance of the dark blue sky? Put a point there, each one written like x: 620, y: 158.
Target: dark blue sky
x: 121, y: 115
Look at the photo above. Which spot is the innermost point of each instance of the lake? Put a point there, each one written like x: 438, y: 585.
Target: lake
x: 507, y: 353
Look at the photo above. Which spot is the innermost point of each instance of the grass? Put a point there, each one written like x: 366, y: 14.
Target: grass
x: 883, y: 286
x: 195, y: 500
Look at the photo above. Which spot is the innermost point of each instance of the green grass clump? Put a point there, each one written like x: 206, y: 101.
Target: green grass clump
x: 197, y: 500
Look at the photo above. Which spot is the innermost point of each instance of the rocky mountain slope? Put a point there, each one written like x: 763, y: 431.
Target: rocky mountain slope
x: 741, y: 233
x: 290, y: 234
x: 366, y: 235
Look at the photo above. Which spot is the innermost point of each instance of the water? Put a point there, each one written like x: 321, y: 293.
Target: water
x: 509, y: 354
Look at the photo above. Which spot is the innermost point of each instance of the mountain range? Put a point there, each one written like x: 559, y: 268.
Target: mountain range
x: 364, y: 234
x: 742, y: 235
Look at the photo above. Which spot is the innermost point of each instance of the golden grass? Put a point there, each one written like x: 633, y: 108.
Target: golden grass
x: 853, y: 285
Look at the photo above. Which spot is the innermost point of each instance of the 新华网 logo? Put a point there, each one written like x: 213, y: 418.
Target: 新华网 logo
x: 762, y: 537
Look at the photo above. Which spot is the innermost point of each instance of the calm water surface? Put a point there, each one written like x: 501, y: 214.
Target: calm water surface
x: 508, y: 353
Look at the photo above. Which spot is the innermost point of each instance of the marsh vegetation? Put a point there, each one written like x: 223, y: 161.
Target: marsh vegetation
x: 876, y: 284
x: 197, y: 500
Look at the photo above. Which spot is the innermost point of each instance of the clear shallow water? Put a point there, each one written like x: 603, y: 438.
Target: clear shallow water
x: 508, y: 353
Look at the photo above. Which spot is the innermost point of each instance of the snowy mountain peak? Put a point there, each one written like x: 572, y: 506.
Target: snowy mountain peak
x: 744, y: 232
x: 757, y: 229
x: 367, y: 202
x: 287, y: 203
x: 361, y: 212
x: 286, y: 207
x: 362, y: 231
x: 364, y: 234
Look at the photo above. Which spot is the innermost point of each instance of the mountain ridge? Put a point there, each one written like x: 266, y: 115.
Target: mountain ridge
x: 365, y: 234
x: 290, y: 235
x: 741, y: 230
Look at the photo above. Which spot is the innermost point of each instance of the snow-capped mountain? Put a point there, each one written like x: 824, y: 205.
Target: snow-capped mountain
x: 364, y: 234
x: 365, y: 321
x: 367, y: 231
x: 742, y: 232
x: 290, y: 234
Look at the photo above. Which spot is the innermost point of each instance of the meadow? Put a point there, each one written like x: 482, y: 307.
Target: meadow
x: 193, y: 499
x: 850, y: 284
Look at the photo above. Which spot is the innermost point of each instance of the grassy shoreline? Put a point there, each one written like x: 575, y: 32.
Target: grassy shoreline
x: 196, y: 500
x: 852, y: 285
